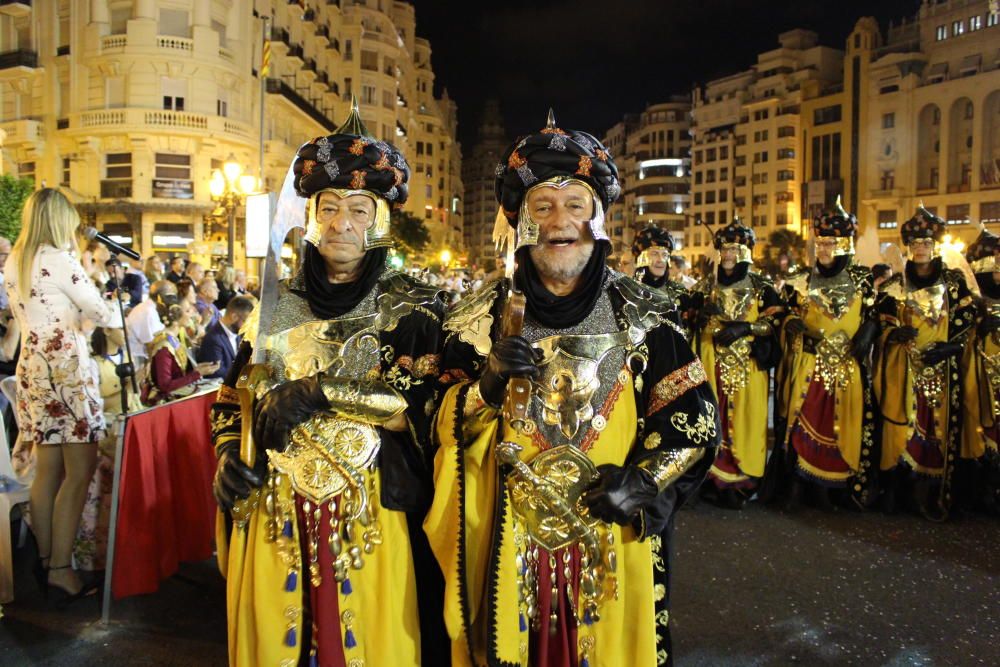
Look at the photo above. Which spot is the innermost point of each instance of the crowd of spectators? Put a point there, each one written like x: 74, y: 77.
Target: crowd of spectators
x: 182, y: 326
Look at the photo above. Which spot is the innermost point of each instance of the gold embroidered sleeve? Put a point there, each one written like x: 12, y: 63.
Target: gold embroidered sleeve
x: 667, y: 466
x: 368, y: 401
x: 672, y: 386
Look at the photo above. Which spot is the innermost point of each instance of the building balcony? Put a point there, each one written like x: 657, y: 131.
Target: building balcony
x: 277, y: 87
x: 15, y: 8
x: 112, y: 44
x: 21, y: 131
x: 116, y: 121
x: 20, y: 58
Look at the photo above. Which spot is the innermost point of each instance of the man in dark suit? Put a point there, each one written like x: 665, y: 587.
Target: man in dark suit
x: 130, y: 283
x: 222, y: 339
x: 176, y: 269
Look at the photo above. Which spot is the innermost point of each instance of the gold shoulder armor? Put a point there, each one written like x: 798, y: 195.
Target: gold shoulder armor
x: 760, y: 281
x: 471, y: 318
x: 799, y: 282
x: 644, y: 309
x: 402, y: 295
x: 893, y: 287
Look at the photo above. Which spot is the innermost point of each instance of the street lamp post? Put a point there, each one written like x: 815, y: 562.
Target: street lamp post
x: 229, y: 186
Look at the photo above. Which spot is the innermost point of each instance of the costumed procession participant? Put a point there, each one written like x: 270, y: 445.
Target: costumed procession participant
x: 552, y: 518
x: 981, y: 378
x: 828, y: 337
x: 651, y: 248
x: 926, y: 313
x: 327, y: 563
x: 739, y: 313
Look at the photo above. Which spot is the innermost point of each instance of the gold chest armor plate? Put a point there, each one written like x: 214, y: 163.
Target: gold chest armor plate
x: 735, y: 299
x: 569, y: 378
x: 928, y: 303
x: 834, y: 295
x: 326, y: 454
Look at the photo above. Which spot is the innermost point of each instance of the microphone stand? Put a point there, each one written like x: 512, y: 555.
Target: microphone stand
x: 125, y: 369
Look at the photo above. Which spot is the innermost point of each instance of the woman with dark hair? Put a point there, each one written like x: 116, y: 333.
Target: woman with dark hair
x: 172, y: 371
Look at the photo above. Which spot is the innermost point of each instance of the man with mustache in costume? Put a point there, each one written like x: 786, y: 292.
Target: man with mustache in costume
x: 553, y: 509
x: 927, y: 313
x: 739, y: 314
x: 651, y: 248
x: 324, y: 497
x: 828, y: 338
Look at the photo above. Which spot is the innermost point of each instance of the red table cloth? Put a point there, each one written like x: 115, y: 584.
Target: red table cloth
x: 166, y: 512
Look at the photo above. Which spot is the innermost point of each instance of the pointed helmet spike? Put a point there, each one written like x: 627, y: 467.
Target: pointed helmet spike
x: 839, y: 208
x: 550, y: 122
x: 353, y: 125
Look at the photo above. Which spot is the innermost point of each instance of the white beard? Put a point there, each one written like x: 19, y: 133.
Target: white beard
x: 560, y: 268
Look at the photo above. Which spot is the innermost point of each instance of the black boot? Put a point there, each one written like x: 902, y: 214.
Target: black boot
x: 793, y: 501
x: 823, y: 501
x: 890, y: 488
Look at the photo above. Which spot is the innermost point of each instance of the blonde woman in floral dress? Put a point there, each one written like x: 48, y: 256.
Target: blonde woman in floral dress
x: 59, y: 406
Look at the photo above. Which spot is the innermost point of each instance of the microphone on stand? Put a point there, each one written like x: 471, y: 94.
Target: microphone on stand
x: 92, y: 234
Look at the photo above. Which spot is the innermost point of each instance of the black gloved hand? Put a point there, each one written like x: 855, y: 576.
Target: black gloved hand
x: 938, y: 352
x: 234, y: 479
x: 863, y: 339
x: 731, y: 333
x: 794, y: 326
x: 285, y: 407
x: 709, y: 310
x: 987, y: 326
x: 901, y: 335
x: 619, y: 494
x: 510, y: 356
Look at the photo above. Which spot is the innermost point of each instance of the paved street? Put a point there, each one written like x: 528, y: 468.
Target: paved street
x: 754, y: 588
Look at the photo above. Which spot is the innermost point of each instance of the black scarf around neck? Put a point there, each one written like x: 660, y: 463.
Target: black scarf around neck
x: 839, y: 264
x: 738, y: 274
x: 328, y: 300
x: 921, y: 282
x: 561, y: 312
x: 649, y: 279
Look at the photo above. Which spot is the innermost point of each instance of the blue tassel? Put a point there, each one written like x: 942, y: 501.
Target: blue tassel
x: 523, y: 623
x: 292, y: 581
x: 287, y: 530
x: 313, y: 661
x: 290, y: 637
x: 345, y: 587
x: 349, y: 640
x: 585, y: 662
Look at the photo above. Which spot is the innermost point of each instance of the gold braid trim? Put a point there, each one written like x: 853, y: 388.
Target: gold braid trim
x: 671, y: 387
x: 227, y: 395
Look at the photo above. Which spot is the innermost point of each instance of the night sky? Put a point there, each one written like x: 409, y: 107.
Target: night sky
x: 595, y: 60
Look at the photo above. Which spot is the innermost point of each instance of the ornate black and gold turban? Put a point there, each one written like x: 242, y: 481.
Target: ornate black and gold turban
x: 981, y: 255
x: 839, y: 224
x: 647, y: 238
x: 348, y: 162
x: 923, y: 225
x: 554, y: 157
x: 736, y: 233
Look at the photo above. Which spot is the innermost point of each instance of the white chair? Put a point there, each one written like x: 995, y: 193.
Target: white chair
x: 12, y: 493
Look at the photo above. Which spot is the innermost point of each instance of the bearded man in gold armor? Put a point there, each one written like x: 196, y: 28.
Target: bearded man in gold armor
x: 324, y: 455
x: 577, y: 423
